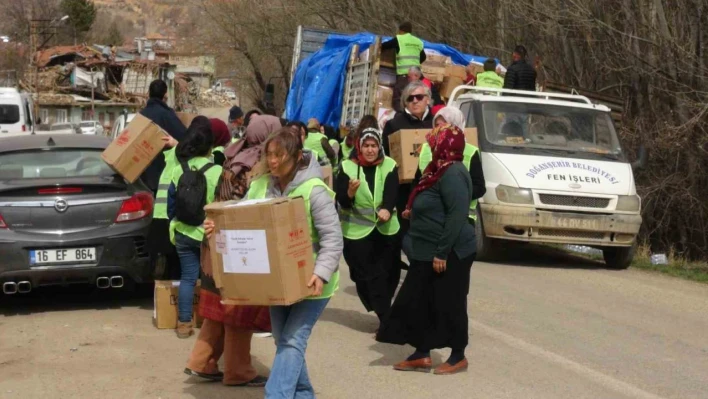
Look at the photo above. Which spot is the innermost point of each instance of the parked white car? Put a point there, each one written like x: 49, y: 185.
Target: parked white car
x: 91, y: 127
x: 62, y: 128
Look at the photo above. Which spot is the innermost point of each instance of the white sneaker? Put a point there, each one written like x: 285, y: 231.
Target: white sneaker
x: 263, y: 335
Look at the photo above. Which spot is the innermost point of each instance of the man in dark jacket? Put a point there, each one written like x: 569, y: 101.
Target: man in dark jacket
x: 520, y: 75
x: 415, y: 102
x: 157, y: 111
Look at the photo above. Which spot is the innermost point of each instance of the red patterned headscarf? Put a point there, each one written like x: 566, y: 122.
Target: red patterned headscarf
x: 447, y: 143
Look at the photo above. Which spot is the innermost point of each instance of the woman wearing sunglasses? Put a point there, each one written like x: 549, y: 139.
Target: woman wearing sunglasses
x: 416, y: 114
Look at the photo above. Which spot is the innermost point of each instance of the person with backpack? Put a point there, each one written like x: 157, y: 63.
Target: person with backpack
x: 192, y: 187
x: 227, y: 330
x: 294, y: 172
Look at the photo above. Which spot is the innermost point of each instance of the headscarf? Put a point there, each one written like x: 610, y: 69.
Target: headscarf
x: 221, y: 133
x: 358, y: 157
x: 447, y: 143
x: 452, y: 116
x: 245, y: 153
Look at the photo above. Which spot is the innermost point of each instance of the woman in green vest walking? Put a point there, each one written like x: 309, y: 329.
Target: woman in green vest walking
x: 292, y: 173
x: 367, y: 189
x: 192, y: 153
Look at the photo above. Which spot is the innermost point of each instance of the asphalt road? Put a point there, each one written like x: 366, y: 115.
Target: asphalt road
x: 541, y: 327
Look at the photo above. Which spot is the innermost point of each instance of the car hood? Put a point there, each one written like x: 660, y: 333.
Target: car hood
x: 569, y: 174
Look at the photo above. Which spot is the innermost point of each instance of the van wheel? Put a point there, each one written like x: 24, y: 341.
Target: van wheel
x: 619, y: 258
x: 487, y: 248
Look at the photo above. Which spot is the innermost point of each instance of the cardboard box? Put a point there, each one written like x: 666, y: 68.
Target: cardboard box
x: 135, y: 148
x: 433, y: 71
x: 437, y: 59
x: 388, y: 58
x: 384, y: 97
x: 387, y: 77
x: 405, y: 150
x: 186, y: 118
x: 263, y: 251
x: 164, y: 314
x: 449, y: 84
x: 328, y: 175
x: 457, y: 71
x: 471, y: 136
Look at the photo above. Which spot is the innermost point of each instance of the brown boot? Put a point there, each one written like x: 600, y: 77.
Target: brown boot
x: 184, y: 330
x: 423, y: 365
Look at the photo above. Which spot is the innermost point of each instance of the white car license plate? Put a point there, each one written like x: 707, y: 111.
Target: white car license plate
x: 65, y: 255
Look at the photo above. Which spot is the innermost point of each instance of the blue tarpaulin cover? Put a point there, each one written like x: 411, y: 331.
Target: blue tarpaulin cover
x: 317, y: 89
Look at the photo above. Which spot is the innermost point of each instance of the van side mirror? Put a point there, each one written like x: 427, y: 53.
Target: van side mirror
x: 642, y: 157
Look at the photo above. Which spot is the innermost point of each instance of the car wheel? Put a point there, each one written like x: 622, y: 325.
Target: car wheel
x: 487, y: 248
x: 619, y: 258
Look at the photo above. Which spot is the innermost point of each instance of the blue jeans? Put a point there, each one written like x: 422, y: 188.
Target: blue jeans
x: 189, y: 251
x: 292, y: 326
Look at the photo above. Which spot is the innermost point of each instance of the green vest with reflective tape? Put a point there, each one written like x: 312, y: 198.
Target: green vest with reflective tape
x: 313, y: 142
x: 426, y: 156
x: 361, y: 220
x: 408, y: 54
x: 259, y: 190
x: 212, y: 178
x: 160, y: 211
x: 346, y: 150
x: 489, y: 79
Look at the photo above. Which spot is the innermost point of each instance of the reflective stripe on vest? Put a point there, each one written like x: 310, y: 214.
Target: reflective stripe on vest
x: 409, y: 48
x: 212, y: 178
x: 489, y: 79
x: 160, y: 210
x: 361, y: 220
x: 259, y: 190
x: 426, y: 156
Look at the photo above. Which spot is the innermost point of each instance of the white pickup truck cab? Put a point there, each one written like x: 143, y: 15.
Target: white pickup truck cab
x: 555, y: 172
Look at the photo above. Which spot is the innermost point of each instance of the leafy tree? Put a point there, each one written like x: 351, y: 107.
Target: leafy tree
x: 81, y: 14
x: 114, y: 36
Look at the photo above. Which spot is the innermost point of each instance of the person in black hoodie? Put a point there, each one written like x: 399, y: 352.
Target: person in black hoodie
x: 520, y: 75
x: 416, y: 114
x: 165, y: 117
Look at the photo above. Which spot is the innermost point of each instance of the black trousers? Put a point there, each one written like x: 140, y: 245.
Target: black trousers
x: 401, y: 83
x: 430, y: 311
x: 163, y: 255
x: 374, y: 269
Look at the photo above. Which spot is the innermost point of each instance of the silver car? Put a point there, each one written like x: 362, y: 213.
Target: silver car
x: 66, y: 217
x: 91, y: 127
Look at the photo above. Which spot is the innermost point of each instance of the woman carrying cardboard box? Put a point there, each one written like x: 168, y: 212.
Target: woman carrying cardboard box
x: 367, y: 190
x: 294, y: 172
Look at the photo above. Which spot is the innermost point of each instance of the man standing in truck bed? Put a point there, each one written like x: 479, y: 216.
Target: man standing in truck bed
x: 409, y: 53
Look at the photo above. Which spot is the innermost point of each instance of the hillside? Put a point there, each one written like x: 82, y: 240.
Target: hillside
x: 147, y: 16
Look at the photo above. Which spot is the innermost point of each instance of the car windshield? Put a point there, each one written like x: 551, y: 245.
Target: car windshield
x: 58, y: 163
x: 527, y: 126
x: 88, y: 124
x: 9, y: 113
x: 63, y: 126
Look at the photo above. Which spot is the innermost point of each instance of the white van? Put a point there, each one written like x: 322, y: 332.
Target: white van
x: 16, y: 115
x: 121, y: 122
x: 555, y: 172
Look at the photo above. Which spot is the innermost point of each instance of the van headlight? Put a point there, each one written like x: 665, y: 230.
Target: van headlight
x: 628, y: 203
x: 513, y: 195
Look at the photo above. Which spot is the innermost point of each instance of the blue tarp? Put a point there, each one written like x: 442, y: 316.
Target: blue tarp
x: 318, y: 86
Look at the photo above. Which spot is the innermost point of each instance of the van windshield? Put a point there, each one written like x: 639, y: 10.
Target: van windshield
x: 533, y: 128
x: 9, y: 113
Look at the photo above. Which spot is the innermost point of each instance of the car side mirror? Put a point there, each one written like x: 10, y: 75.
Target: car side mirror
x: 642, y: 158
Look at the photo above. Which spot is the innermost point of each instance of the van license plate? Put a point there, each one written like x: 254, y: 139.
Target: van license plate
x: 69, y: 255
x: 576, y: 223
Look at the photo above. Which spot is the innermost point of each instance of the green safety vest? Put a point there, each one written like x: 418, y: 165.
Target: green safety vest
x: 408, y: 54
x: 215, y: 150
x: 234, y: 140
x: 489, y: 79
x: 160, y: 211
x: 212, y: 177
x: 259, y: 189
x: 361, y: 220
x: 313, y: 142
x: 335, y: 166
x: 346, y: 150
x: 426, y: 156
